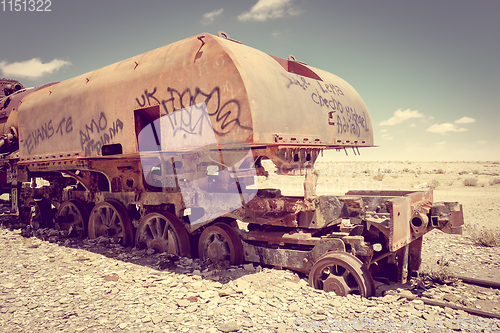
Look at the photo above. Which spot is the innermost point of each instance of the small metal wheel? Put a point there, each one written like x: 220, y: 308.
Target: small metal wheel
x: 73, y: 217
x: 341, y: 273
x: 220, y: 242
x: 40, y: 214
x: 110, y: 219
x: 163, y: 232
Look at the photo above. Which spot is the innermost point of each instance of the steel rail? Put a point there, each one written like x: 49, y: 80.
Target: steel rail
x: 478, y: 282
x: 475, y: 312
x: 467, y: 280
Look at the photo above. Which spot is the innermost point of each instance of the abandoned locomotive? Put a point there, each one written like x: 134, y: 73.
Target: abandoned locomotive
x: 163, y: 150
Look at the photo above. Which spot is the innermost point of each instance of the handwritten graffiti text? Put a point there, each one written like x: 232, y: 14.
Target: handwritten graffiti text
x: 351, y: 122
x: 98, y: 127
x: 329, y: 102
x: 224, y: 115
x: 303, y: 83
x: 330, y: 88
x: 47, y: 131
x: 329, y: 96
x: 189, y: 120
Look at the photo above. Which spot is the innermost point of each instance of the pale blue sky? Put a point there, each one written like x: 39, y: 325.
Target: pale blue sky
x: 437, y: 62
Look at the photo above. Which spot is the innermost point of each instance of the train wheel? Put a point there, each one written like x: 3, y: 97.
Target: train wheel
x: 110, y: 219
x: 342, y: 273
x: 73, y: 217
x: 220, y: 242
x: 164, y: 233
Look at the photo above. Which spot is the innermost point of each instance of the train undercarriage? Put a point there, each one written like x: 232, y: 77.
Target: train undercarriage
x: 342, y: 242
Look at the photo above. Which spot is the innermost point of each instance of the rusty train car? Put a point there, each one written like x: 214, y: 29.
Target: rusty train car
x: 162, y: 151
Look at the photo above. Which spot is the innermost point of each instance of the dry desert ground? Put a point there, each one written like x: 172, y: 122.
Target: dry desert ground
x: 74, y: 285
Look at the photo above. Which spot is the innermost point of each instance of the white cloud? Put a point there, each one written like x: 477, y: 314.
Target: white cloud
x: 465, y: 120
x: 384, y: 130
x: 210, y: 16
x: 446, y: 127
x: 31, y: 69
x: 400, y: 116
x: 413, y: 125
x: 264, y: 10
x: 481, y: 142
x: 276, y: 33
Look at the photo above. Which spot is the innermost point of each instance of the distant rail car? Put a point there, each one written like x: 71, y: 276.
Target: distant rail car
x: 162, y: 151
x: 8, y: 87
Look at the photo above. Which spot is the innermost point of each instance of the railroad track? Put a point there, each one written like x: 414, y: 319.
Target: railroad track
x: 466, y: 280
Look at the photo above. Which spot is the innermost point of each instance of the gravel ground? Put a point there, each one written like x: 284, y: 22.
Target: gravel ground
x: 71, y: 285
x: 49, y: 283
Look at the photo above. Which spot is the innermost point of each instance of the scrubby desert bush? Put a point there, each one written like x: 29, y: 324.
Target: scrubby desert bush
x: 440, y: 171
x: 379, y: 176
x: 483, y: 236
x: 494, y: 181
x: 433, y: 184
x: 470, y: 182
x: 476, y: 172
x: 439, y: 272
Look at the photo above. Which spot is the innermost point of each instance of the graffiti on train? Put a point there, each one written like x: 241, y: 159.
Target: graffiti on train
x: 224, y: 115
x: 97, y: 133
x: 350, y: 121
x: 300, y: 81
x: 331, y: 97
x: 189, y: 121
x: 51, y: 129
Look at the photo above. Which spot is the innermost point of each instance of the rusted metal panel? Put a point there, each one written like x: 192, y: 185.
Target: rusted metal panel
x: 335, y: 114
x: 237, y: 84
x: 278, y: 211
x: 9, y: 105
x: 400, y: 233
x: 415, y: 255
x: 295, y: 259
x: 298, y: 260
x: 173, y: 77
x: 401, y: 215
x: 447, y: 216
x: 316, y: 212
x: 270, y: 235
